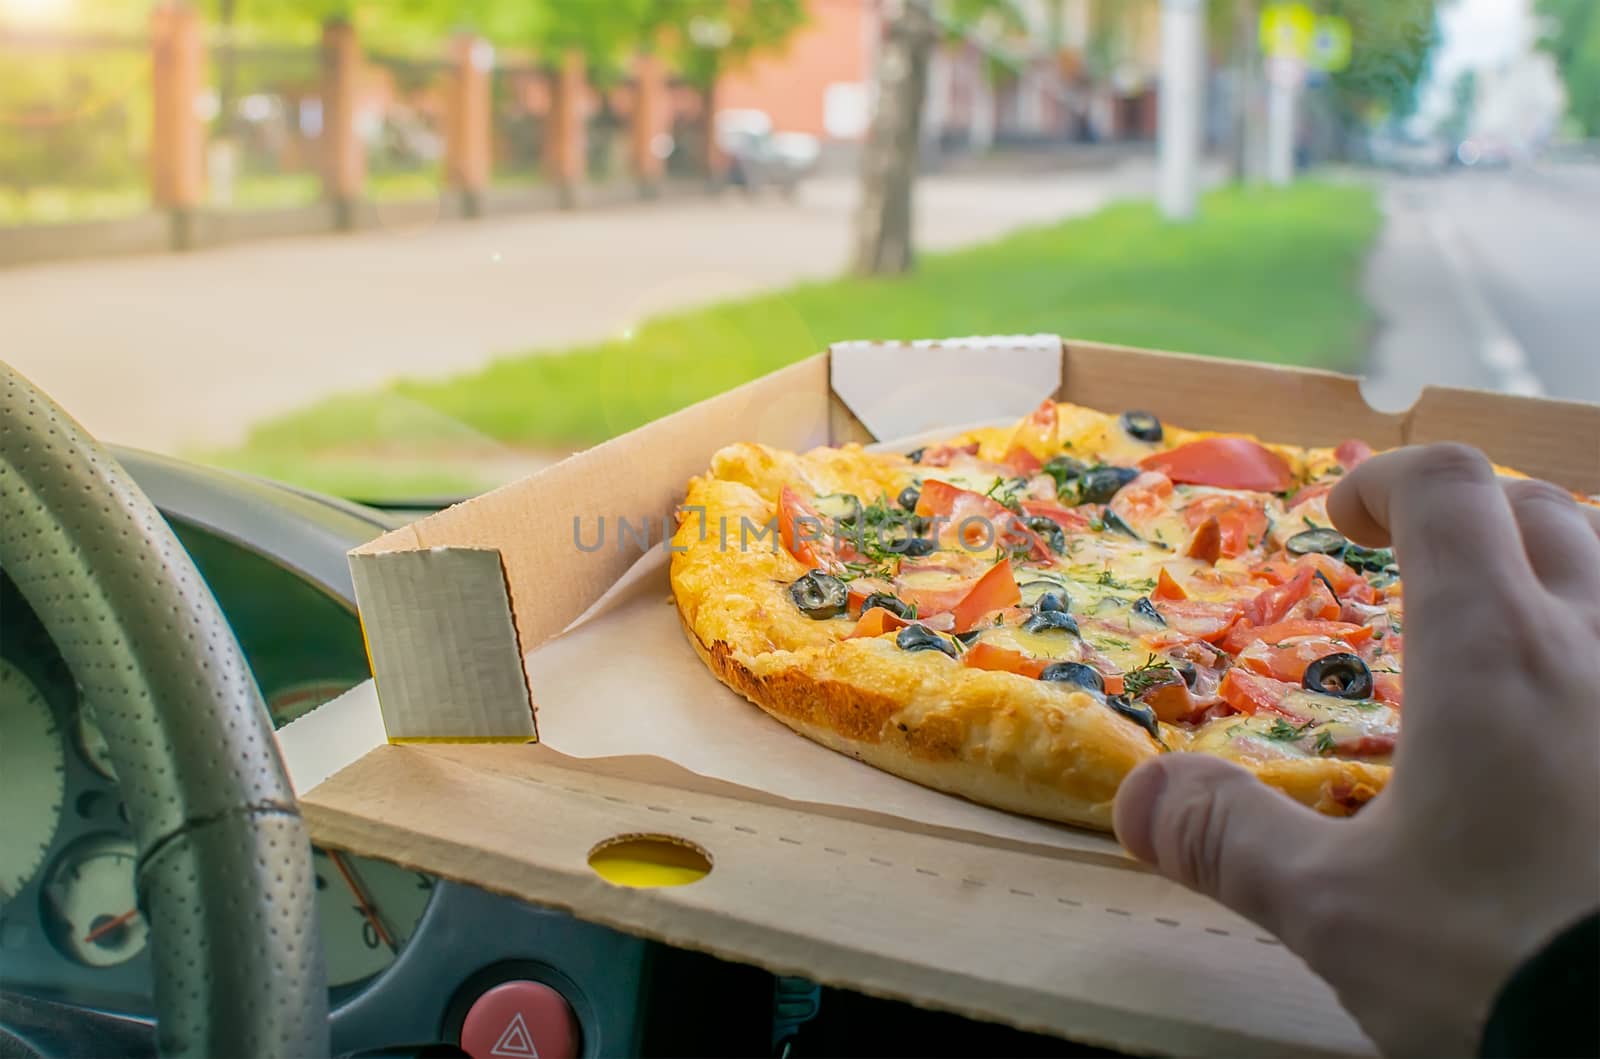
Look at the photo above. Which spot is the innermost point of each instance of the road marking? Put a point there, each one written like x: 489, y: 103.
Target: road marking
x: 1501, y: 353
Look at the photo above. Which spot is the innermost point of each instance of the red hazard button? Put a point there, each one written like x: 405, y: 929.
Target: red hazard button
x: 521, y: 1020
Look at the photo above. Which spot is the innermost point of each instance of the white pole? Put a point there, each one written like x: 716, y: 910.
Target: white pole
x: 1283, y: 86
x: 1182, y: 93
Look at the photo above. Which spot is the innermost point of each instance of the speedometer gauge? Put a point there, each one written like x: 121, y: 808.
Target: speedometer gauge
x: 367, y: 910
x: 89, y: 899
x: 32, y: 778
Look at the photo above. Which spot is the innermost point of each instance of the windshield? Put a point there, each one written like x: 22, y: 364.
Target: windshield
x: 409, y: 252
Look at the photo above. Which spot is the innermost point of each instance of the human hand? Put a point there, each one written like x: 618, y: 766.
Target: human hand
x: 1486, y: 842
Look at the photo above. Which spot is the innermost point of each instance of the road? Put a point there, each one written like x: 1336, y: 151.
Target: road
x: 1488, y: 280
x: 173, y: 351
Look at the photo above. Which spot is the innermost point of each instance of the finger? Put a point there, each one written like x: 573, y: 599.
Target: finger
x: 1215, y: 828
x: 1447, y: 517
x: 1559, y: 538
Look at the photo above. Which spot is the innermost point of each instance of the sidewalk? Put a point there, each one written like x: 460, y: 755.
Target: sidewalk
x: 187, y: 350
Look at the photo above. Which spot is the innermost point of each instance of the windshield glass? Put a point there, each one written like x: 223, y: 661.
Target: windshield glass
x: 409, y: 252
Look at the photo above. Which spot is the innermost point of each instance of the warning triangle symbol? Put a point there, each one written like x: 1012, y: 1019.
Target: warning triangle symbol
x: 515, y: 1041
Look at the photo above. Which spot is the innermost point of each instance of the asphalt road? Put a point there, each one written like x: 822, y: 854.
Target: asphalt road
x: 1488, y: 280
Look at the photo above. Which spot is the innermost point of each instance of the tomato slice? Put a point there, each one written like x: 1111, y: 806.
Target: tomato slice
x: 1227, y: 463
x: 972, y: 521
x: 1287, y: 659
x: 1241, y: 523
x: 1272, y: 604
x: 1252, y: 693
x: 1351, y: 452
x: 1167, y: 587
x: 1241, y: 636
x: 983, y: 655
x: 1197, y: 618
x: 995, y: 590
x: 876, y: 622
x: 805, y: 533
x: 1386, y: 688
x: 1023, y: 462
x: 1172, y: 702
x: 1206, y: 544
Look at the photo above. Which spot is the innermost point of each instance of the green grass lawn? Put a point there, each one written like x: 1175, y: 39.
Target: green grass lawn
x: 1263, y: 275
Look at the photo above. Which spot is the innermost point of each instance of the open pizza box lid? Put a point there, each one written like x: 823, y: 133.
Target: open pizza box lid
x: 540, y: 613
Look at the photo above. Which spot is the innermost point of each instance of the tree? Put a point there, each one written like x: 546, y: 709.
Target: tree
x: 889, y: 156
x: 883, y: 226
x: 1572, y: 38
x: 1391, y: 42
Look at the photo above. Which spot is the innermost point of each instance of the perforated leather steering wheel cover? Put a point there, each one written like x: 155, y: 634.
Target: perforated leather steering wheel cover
x: 225, y: 875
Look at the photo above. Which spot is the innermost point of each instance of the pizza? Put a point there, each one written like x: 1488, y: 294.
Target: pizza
x: 1020, y: 615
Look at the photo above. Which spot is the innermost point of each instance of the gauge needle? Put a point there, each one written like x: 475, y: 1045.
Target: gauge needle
x: 108, y: 926
x: 361, y: 899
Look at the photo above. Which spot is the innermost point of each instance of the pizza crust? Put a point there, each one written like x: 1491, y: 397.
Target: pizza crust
x: 997, y: 738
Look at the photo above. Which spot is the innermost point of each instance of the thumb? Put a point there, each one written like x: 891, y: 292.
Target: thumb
x: 1215, y: 828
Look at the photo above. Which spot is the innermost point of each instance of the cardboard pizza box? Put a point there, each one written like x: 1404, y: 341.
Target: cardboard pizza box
x: 535, y: 699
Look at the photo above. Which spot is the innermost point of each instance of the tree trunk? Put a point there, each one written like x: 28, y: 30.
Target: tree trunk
x: 890, y: 155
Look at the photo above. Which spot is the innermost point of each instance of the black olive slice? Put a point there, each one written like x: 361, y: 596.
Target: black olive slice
x: 893, y: 604
x: 915, y: 455
x: 908, y: 497
x: 1099, y: 484
x: 1316, y: 542
x: 1114, y: 523
x: 1049, y: 531
x: 1147, y: 610
x: 1344, y: 675
x: 820, y: 595
x: 1141, y: 425
x: 1138, y: 713
x: 1075, y: 673
x: 1055, y: 599
x: 1065, y: 469
x: 921, y: 638
x: 917, y: 547
x: 1051, y: 621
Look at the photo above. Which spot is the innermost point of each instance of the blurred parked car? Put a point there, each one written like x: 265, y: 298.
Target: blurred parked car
x: 758, y: 157
x: 1410, y: 154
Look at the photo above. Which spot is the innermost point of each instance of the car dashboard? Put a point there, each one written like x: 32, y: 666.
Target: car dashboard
x: 416, y: 965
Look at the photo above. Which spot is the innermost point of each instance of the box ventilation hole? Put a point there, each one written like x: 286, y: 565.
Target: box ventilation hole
x: 649, y: 861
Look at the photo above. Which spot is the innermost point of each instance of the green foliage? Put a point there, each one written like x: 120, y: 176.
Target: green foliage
x: 74, y: 119
x: 1573, y: 39
x: 1263, y: 275
x: 1390, y: 44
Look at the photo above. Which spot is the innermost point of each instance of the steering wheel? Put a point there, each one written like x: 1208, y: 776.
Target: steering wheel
x: 224, y: 872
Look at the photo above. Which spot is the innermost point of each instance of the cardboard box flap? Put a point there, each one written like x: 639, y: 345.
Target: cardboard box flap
x: 902, y: 389
x: 448, y: 605
x: 1558, y: 440
x: 1076, y: 948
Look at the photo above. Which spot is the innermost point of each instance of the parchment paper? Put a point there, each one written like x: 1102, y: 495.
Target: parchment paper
x: 623, y: 680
